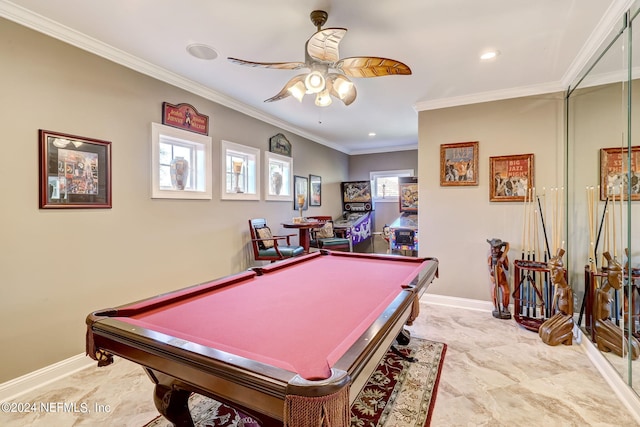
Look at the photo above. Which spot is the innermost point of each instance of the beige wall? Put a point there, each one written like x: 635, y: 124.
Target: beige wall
x: 58, y: 265
x: 455, y: 222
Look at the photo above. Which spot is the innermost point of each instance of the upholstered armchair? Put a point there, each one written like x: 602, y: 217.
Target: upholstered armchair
x: 267, y: 247
x: 327, y: 237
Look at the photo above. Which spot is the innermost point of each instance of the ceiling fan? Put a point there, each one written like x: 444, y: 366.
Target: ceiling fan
x: 328, y: 75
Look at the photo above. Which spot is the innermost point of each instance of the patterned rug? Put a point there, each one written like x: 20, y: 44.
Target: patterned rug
x: 398, y: 393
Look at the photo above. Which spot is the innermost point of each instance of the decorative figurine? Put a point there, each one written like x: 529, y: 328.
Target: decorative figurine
x: 609, y: 337
x: 558, y: 329
x: 498, y: 264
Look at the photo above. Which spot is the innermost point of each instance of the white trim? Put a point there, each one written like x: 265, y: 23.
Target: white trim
x: 594, y: 42
x: 469, y: 304
x: 626, y: 394
x: 53, y: 29
x: 16, y: 387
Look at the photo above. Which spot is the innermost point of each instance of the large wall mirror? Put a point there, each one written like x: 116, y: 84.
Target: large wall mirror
x: 603, y: 197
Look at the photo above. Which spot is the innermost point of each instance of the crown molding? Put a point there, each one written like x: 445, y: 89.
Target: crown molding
x: 60, y: 32
x: 496, y: 95
x: 596, y: 38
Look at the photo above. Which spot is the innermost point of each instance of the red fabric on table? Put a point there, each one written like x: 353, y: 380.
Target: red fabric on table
x: 299, y: 319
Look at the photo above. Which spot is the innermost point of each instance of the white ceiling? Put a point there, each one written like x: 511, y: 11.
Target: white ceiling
x: 542, y: 43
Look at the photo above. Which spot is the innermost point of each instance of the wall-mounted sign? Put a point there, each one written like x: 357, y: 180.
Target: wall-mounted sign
x: 185, y: 116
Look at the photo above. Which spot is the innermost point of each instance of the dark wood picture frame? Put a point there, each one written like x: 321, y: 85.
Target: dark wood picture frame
x: 279, y: 144
x: 511, y: 177
x: 315, y: 190
x: 300, y: 188
x: 459, y: 164
x: 613, y: 171
x: 75, y: 171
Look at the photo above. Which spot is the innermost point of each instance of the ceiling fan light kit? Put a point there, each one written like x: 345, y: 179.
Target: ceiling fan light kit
x: 328, y: 73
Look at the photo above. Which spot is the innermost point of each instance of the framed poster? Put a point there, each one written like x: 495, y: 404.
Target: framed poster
x: 75, y: 171
x: 614, y: 169
x: 511, y: 177
x: 315, y: 190
x: 408, y: 189
x: 301, y: 193
x: 459, y: 164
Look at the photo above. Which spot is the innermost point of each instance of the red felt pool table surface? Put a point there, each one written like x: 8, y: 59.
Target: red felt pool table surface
x: 312, y: 327
x: 302, y: 321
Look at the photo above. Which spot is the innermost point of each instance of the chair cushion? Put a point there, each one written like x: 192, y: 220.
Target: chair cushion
x: 286, y: 251
x: 325, y: 232
x: 336, y: 241
x: 264, y: 233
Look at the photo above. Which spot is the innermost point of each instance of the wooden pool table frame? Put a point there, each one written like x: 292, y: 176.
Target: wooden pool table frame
x: 179, y: 367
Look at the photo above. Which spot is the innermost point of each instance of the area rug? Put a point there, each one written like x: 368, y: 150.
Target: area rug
x: 398, y: 393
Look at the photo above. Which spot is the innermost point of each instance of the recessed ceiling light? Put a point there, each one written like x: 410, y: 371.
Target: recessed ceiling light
x: 202, y: 51
x: 489, y: 55
x: 372, y: 134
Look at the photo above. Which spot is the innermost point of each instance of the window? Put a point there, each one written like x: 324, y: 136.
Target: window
x: 278, y: 177
x: 240, y: 169
x: 384, y: 184
x: 181, y: 163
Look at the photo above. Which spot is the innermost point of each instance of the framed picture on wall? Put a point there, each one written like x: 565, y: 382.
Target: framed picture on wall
x: 511, y: 177
x: 279, y: 144
x: 315, y: 190
x: 75, y: 171
x: 459, y: 164
x: 614, y: 164
x: 301, y: 192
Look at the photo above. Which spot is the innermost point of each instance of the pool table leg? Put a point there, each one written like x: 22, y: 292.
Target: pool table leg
x: 172, y: 403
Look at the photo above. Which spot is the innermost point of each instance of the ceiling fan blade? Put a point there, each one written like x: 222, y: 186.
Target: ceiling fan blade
x: 323, y: 45
x: 285, y: 90
x: 371, y: 66
x: 277, y: 65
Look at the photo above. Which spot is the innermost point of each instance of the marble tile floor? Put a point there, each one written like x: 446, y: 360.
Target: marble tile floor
x: 495, y: 374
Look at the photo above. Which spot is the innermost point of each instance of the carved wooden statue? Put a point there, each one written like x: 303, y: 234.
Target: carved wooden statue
x: 558, y: 329
x: 609, y: 336
x: 498, y: 264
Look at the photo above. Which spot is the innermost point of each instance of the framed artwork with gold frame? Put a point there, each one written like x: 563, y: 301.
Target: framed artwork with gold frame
x: 459, y: 164
x: 511, y: 177
x: 613, y: 173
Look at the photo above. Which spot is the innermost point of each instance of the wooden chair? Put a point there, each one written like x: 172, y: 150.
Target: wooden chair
x: 267, y: 247
x: 328, y: 237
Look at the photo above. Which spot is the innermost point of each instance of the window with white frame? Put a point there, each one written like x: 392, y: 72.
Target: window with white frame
x: 384, y: 184
x: 240, y: 169
x: 278, y: 177
x: 181, y: 163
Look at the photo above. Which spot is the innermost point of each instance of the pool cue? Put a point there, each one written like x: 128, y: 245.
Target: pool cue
x: 546, y: 254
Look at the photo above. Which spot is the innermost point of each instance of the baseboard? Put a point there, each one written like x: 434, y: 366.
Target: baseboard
x: 626, y: 394
x: 466, y: 303
x: 16, y: 387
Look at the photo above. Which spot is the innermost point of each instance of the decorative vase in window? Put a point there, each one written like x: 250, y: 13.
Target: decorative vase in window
x: 276, y: 182
x: 179, y: 172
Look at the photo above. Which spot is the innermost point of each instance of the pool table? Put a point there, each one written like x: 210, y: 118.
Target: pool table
x: 277, y: 342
